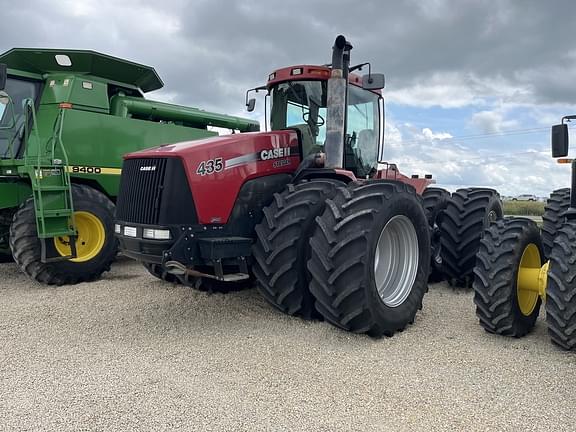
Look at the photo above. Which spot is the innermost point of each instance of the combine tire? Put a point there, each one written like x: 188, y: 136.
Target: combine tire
x: 468, y: 213
x: 282, y: 250
x: 370, y: 258
x: 5, y: 257
x: 561, y: 289
x: 553, y: 218
x: 5, y: 221
x: 435, y: 201
x: 508, y: 251
x: 96, y: 245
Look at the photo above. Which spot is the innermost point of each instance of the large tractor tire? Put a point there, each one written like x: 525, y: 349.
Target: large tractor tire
x: 553, y: 218
x: 370, y: 258
x: 282, y: 250
x: 435, y: 201
x: 509, y: 254
x: 468, y: 213
x: 561, y: 289
x: 96, y: 245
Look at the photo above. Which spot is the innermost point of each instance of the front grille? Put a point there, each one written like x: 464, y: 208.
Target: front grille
x: 141, y: 187
x: 155, y: 192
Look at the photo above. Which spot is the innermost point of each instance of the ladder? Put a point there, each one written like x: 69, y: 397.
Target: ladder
x: 52, y: 191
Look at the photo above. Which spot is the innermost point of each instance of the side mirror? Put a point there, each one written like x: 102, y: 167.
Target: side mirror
x: 250, y: 104
x: 3, y: 74
x: 373, y: 81
x: 559, y: 140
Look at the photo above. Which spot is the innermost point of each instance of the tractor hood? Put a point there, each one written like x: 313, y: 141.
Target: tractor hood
x: 216, y: 168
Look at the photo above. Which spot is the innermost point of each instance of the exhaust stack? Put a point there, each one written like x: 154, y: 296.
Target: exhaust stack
x: 336, y: 103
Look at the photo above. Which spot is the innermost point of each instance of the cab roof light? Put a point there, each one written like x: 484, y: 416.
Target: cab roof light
x: 296, y: 71
x: 272, y: 76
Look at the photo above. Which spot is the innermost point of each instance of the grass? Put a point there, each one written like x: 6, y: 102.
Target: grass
x: 524, y: 208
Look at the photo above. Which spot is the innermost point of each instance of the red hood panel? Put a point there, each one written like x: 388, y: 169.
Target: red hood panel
x: 218, y: 167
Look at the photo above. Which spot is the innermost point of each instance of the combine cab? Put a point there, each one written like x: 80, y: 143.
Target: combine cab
x: 66, y: 119
x: 304, y: 207
x: 520, y: 267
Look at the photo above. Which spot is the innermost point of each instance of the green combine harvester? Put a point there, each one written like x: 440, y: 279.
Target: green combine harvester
x: 66, y: 119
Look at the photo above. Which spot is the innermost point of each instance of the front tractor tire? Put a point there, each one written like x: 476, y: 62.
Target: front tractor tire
x: 561, y: 289
x: 95, y: 244
x: 281, y: 250
x: 506, y: 277
x: 553, y: 218
x: 468, y: 213
x: 370, y: 258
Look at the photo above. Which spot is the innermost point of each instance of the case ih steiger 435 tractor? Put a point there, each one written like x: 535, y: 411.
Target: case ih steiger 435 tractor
x: 66, y: 119
x: 519, y: 267
x: 303, y: 206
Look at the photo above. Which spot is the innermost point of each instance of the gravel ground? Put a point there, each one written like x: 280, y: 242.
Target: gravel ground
x: 133, y: 353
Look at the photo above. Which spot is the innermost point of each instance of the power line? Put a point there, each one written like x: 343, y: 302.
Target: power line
x: 457, y: 139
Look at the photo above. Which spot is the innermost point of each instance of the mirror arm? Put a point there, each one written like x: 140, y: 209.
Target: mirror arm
x: 255, y: 89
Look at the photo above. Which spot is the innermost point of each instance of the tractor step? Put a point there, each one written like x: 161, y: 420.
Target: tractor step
x: 57, y: 213
x: 57, y: 188
x: 52, y: 193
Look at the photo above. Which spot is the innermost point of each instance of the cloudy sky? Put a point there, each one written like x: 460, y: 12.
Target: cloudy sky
x: 472, y: 86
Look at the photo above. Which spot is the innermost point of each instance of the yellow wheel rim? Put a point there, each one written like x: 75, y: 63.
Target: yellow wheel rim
x: 527, y: 281
x: 89, y: 240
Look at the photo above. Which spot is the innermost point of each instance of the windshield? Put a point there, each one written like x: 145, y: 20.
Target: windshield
x: 12, y: 114
x: 301, y: 105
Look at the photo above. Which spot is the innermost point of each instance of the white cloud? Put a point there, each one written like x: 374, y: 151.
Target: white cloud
x: 455, y: 165
x: 492, y: 121
x: 428, y: 134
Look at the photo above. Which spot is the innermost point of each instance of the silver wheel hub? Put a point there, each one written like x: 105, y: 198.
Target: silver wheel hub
x: 396, y: 261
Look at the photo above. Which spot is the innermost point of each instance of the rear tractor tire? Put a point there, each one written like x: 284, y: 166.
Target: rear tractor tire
x: 282, y: 250
x: 96, y: 245
x: 506, y: 277
x: 553, y: 218
x: 468, y: 213
x: 370, y: 258
x: 561, y: 289
x: 435, y: 201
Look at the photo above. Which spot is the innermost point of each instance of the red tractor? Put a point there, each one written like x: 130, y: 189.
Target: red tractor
x: 303, y: 207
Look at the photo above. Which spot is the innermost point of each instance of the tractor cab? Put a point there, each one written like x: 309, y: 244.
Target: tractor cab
x: 299, y: 99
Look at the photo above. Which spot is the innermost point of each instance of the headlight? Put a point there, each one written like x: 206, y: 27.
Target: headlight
x: 156, y: 234
x: 117, y: 229
x: 130, y: 231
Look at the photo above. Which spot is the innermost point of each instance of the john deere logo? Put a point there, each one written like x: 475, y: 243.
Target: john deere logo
x: 148, y: 168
